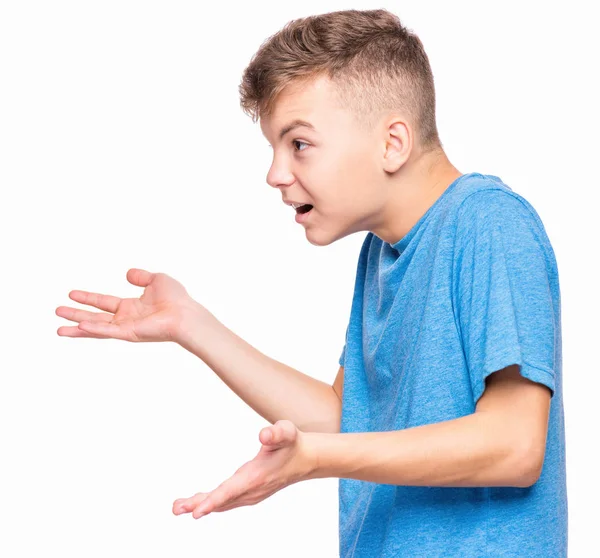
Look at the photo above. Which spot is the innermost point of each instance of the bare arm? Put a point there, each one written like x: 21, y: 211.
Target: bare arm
x: 273, y: 389
x: 501, y: 444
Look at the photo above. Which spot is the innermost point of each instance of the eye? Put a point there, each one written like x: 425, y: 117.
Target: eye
x: 300, y: 142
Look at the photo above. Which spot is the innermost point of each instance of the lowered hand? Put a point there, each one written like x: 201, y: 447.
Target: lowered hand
x: 284, y: 459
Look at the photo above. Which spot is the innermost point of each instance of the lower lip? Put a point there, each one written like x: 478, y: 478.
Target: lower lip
x: 301, y: 217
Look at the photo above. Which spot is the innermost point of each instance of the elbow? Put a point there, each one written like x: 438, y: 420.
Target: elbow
x: 530, y: 467
x: 532, y: 477
x: 330, y: 423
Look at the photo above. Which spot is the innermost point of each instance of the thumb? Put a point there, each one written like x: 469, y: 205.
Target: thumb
x: 139, y: 277
x: 281, y: 433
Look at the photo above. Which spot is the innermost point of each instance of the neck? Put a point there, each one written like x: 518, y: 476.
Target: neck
x: 413, y: 189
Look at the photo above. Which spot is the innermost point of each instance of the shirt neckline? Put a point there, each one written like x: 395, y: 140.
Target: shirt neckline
x: 401, y: 244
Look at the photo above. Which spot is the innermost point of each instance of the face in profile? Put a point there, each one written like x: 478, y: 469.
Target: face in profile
x: 328, y: 162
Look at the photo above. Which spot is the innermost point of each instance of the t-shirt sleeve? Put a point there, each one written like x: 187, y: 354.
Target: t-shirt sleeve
x: 343, y: 355
x: 502, y: 293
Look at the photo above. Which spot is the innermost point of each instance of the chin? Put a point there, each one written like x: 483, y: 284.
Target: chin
x: 316, y: 242
x: 318, y: 237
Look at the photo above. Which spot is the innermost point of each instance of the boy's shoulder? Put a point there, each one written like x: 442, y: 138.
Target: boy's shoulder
x: 493, y: 213
x: 476, y: 192
x: 486, y: 199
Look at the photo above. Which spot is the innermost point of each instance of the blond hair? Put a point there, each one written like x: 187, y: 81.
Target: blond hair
x: 375, y: 63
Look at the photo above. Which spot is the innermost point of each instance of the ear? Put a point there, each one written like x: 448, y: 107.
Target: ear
x: 398, y: 145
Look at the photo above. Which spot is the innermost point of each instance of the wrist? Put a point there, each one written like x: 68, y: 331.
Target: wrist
x: 189, y: 320
x: 314, y: 444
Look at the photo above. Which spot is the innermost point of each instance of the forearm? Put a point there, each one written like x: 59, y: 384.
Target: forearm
x: 474, y: 450
x: 273, y: 389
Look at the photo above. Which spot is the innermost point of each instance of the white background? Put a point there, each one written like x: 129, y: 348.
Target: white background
x: 122, y: 144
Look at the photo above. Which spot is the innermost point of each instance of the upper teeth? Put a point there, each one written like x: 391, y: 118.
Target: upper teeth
x: 295, y: 205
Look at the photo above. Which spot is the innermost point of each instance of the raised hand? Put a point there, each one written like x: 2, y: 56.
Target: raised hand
x: 154, y: 316
x: 284, y: 459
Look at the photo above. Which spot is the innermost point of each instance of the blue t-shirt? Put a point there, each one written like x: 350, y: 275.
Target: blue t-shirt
x: 470, y: 289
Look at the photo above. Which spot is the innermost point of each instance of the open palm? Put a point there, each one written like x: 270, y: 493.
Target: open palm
x: 152, y: 317
x: 284, y: 458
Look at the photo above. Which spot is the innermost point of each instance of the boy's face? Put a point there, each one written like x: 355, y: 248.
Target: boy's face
x: 336, y: 167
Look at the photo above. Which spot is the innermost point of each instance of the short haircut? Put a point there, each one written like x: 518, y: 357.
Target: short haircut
x: 374, y: 62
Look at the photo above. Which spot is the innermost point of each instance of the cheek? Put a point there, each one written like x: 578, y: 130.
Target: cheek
x: 358, y: 159
x: 355, y: 181
x: 341, y: 181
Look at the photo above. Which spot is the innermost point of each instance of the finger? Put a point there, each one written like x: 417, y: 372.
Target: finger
x: 112, y: 331
x: 186, y: 505
x: 269, y: 435
x: 104, y: 302
x: 228, y: 493
x: 198, y: 513
x: 139, y: 277
x: 74, y: 331
x: 237, y: 503
x: 79, y: 315
x: 278, y: 433
x: 181, y: 507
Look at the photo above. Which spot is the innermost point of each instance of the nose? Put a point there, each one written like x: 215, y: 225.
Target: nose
x: 280, y: 174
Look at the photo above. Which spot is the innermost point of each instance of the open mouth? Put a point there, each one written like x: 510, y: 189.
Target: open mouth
x: 303, y: 212
x: 304, y: 208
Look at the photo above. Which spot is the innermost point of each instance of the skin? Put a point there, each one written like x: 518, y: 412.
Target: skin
x: 166, y: 312
x: 379, y: 181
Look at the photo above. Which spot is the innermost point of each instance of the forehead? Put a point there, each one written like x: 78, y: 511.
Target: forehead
x: 313, y: 101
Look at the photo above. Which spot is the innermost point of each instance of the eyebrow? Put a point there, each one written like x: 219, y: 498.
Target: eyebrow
x: 294, y: 124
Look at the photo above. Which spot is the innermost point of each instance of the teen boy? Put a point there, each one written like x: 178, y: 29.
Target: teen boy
x: 445, y: 422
